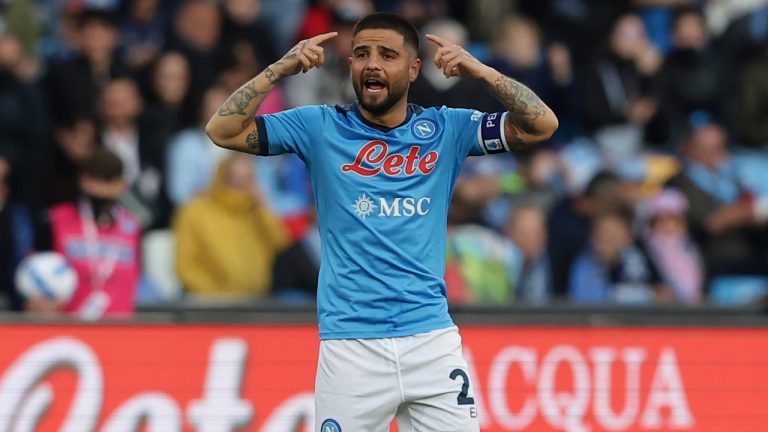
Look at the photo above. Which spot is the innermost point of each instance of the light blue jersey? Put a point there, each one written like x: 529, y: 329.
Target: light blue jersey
x: 382, y: 199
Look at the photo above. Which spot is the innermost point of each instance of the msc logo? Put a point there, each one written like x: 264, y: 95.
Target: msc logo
x: 365, y: 206
x: 424, y: 128
x: 330, y: 425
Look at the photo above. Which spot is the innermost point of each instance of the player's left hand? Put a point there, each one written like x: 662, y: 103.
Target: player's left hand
x: 455, y: 60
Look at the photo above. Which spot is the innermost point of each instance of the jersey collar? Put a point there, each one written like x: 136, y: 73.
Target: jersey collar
x: 354, y: 107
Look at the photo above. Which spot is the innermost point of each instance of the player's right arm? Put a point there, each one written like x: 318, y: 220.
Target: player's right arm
x: 233, y: 125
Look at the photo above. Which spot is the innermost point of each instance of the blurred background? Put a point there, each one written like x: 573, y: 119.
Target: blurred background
x: 653, y: 192
x: 612, y: 278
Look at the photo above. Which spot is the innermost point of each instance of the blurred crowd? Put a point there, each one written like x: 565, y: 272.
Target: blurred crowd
x: 653, y: 191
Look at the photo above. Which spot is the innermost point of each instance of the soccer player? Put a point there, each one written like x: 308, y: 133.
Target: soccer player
x: 382, y: 172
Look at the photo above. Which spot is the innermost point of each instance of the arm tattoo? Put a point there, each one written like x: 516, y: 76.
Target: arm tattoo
x: 237, y: 103
x: 252, y: 141
x: 523, y: 105
x: 270, y: 75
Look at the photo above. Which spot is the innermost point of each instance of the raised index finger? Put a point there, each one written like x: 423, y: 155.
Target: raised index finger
x: 323, y: 37
x: 440, y: 41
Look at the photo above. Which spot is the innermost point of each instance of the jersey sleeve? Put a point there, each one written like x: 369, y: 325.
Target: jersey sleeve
x: 290, y: 131
x: 478, y: 133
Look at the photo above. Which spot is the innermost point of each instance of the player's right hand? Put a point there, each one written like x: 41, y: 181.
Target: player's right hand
x: 304, y: 56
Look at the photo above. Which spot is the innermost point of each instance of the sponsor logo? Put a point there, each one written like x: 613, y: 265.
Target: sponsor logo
x: 424, y: 128
x: 330, y: 425
x: 374, y: 158
x: 493, y: 144
x: 365, y: 206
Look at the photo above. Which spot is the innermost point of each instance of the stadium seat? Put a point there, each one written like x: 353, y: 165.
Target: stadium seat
x: 158, y: 263
x: 737, y: 290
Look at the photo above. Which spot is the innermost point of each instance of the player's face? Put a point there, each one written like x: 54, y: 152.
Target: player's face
x: 382, y: 67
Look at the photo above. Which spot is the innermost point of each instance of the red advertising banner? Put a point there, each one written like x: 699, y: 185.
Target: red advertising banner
x: 162, y: 378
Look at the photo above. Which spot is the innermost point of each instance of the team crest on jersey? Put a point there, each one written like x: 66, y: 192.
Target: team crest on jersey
x: 330, y: 425
x: 424, y: 128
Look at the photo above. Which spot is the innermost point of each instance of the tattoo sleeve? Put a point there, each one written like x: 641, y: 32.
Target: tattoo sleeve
x: 523, y: 105
x: 239, y: 100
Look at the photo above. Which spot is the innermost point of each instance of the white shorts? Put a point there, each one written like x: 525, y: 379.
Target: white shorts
x: 421, y: 380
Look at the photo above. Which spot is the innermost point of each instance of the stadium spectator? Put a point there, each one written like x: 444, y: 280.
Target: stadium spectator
x: 143, y: 157
x: 744, y: 34
x: 100, y: 239
x: 484, y: 17
x: 192, y: 158
x: 619, y: 102
x: 23, y: 119
x: 583, y: 25
x: 690, y: 80
x: 74, y: 142
x: 282, y: 19
x: 73, y: 85
x: 191, y: 161
x: 568, y: 224
x: 519, y: 51
x: 242, y: 23
x: 142, y: 33
x: 658, y: 16
x: 614, y: 268
x: 722, y: 215
x: 168, y: 108
x: 569, y: 221
x: 431, y: 88
x: 491, y: 188
x: 227, y: 239
x: 670, y: 246
x: 168, y: 93
x: 527, y: 229
x: 196, y: 32
x: 16, y: 238
x: 59, y: 34
x: 238, y: 61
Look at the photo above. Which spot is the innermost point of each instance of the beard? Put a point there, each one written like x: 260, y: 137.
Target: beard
x: 379, y: 105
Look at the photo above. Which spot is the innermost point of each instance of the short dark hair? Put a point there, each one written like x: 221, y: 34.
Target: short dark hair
x: 388, y: 21
x: 102, y: 165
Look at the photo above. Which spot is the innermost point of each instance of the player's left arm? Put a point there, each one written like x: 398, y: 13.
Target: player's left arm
x: 528, y: 121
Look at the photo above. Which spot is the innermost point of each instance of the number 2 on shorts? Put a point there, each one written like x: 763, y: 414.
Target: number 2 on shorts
x: 462, y: 399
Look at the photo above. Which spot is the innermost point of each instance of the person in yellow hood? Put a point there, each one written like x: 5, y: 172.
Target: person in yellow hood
x: 227, y: 238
